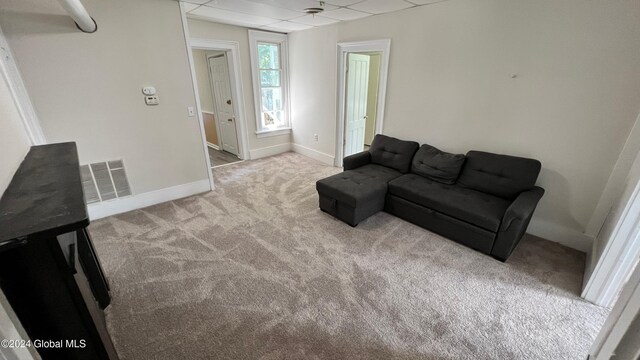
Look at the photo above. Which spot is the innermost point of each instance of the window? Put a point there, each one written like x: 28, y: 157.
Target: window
x: 270, y: 85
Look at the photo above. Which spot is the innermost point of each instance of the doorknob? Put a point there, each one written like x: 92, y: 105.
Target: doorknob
x: 228, y: 102
x: 229, y: 119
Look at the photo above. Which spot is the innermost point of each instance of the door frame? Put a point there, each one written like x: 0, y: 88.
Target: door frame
x: 215, y: 109
x: 384, y: 47
x: 232, y: 48
x: 18, y: 89
x: 232, y: 54
x: 194, y: 82
x: 625, y: 310
x: 618, y: 257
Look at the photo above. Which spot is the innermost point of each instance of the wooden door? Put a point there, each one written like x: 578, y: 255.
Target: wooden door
x: 223, y: 104
x: 356, y: 103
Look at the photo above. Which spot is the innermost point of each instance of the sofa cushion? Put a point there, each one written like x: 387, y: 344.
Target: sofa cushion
x: 437, y: 165
x: 474, y: 207
x: 358, y: 186
x: 501, y: 175
x: 392, y: 152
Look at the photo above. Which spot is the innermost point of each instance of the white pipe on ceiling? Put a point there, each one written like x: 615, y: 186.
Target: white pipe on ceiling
x: 80, y: 15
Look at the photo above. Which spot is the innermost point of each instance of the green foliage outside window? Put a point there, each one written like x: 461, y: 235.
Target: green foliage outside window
x: 270, y: 83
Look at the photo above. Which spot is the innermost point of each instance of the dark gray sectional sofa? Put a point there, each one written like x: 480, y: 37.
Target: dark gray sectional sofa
x: 482, y: 200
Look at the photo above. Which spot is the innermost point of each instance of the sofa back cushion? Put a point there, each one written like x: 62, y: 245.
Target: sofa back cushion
x: 500, y: 175
x: 437, y: 165
x: 392, y: 153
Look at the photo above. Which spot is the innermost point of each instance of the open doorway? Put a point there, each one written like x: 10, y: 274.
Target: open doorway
x: 216, y: 103
x: 362, y: 85
x: 361, y: 101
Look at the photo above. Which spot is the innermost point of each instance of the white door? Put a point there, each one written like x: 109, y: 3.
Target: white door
x: 221, y: 88
x: 356, y: 103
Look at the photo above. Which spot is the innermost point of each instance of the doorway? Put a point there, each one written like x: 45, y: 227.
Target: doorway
x: 363, y: 78
x: 232, y: 53
x: 361, y: 95
x: 216, y: 106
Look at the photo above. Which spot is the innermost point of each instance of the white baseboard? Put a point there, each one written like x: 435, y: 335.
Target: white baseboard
x: 269, y: 151
x: 118, y: 206
x: 213, y: 146
x: 563, y: 235
x: 314, y: 154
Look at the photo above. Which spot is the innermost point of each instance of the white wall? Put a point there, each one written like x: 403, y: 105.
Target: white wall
x: 209, y: 30
x: 572, y: 104
x: 313, y: 87
x: 87, y: 87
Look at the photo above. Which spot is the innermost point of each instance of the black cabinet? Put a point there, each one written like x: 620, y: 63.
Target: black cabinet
x: 49, y: 270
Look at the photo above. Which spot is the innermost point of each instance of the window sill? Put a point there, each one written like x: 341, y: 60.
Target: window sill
x: 276, y: 132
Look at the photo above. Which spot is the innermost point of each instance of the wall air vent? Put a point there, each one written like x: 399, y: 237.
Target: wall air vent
x: 104, y: 181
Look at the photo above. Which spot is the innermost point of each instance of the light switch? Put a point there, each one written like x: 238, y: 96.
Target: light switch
x: 191, y: 111
x: 151, y: 100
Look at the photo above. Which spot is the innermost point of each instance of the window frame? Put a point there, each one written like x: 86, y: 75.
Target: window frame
x: 255, y: 38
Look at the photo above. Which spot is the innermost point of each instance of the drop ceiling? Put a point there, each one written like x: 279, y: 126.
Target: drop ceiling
x: 288, y: 15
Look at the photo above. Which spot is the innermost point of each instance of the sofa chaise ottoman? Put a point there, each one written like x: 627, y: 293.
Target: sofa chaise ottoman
x: 360, y: 190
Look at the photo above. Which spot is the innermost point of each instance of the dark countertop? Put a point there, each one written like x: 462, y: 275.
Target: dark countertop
x: 45, y: 196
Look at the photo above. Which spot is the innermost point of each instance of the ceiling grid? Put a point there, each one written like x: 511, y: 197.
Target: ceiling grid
x: 289, y: 15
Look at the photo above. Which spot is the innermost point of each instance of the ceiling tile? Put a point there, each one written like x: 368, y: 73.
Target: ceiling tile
x: 287, y: 26
x: 288, y: 15
x: 199, y: 2
x: 255, y: 8
x: 189, y: 6
x: 296, y: 5
x: 424, y: 2
x: 232, y: 17
x: 342, y: 2
x: 344, y: 14
x: 381, y: 6
x: 272, y: 29
x: 314, y: 20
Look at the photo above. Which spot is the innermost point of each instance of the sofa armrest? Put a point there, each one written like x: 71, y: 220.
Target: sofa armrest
x: 514, y: 222
x: 356, y: 160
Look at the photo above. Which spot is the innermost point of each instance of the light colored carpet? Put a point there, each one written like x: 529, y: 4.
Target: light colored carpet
x: 255, y: 270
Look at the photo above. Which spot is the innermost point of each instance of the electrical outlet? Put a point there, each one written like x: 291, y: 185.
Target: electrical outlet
x: 191, y: 111
x: 315, y: 137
